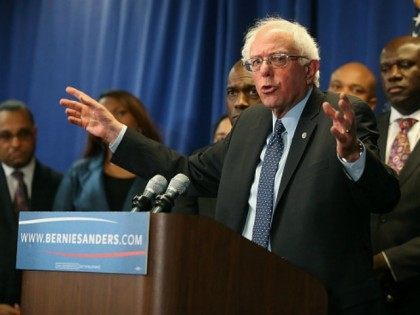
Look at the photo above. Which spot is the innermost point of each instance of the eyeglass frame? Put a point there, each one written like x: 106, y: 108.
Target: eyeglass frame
x: 248, y: 63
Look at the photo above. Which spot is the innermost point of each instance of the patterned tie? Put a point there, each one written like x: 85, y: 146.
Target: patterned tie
x: 265, y: 195
x: 21, y: 202
x: 400, y: 149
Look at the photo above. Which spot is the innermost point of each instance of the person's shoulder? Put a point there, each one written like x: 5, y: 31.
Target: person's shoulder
x: 48, y: 172
x: 254, y: 111
x: 87, y: 164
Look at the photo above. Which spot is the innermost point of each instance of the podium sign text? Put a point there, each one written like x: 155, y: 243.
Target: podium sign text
x: 104, y: 242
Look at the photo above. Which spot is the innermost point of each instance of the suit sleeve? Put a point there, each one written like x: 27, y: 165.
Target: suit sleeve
x: 377, y: 180
x: 146, y: 158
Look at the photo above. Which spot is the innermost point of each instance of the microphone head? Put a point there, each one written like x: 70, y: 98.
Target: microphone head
x: 179, y: 184
x: 156, y: 184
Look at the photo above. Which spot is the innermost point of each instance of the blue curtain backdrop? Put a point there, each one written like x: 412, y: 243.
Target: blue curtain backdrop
x: 173, y: 54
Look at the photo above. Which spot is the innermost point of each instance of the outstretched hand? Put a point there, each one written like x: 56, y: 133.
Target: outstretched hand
x: 92, y: 116
x: 343, y: 128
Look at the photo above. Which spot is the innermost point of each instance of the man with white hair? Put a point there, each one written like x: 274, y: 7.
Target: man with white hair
x: 298, y: 176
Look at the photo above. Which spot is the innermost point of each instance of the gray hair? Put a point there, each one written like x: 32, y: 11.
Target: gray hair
x: 304, y: 43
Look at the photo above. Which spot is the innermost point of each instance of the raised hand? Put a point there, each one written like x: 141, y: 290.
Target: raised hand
x: 92, y: 116
x: 343, y: 128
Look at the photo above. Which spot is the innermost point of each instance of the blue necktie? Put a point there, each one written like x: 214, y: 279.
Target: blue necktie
x: 265, y: 194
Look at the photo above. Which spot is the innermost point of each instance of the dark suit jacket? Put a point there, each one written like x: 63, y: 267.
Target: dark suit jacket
x: 44, y: 186
x: 83, y: 189
x: 398, y: 232
x: 321, y: 221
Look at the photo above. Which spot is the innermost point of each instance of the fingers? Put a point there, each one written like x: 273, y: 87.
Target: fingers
x: 328, y: 110
x: 347, y: 111
x: 71, y: 104
x: 82, y: 97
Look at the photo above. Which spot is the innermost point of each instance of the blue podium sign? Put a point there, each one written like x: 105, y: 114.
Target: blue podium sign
x: 104, y: 242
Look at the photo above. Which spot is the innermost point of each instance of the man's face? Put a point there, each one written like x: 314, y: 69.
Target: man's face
x: 400, y: 72
x: 354, y: 80
x: 17, y: 138
x: 222, y: 130
x: 279, y: 88
x: 240, y: 92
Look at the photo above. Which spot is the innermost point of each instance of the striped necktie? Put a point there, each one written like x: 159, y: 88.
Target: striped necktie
x: 21, y: 200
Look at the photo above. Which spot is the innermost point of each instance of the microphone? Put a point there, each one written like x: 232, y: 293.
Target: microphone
x: 155, y: 186
x: 177, y: 186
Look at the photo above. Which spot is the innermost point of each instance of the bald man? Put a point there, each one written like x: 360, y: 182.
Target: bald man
x: 354, y: 78
x: 240, y: 91
x: 396, y: 236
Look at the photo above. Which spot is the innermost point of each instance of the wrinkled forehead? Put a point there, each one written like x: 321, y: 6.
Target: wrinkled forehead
x: 401, y: 50
x: 14, y: 118
x: 273, y: 40
x: 240, y: 75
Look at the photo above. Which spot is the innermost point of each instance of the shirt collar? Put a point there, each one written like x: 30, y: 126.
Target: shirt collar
x: 395, y: 115
x: 291, y: 118
x: 27, y: 170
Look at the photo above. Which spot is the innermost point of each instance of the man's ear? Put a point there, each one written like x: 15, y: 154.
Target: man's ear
x: 311, y: 69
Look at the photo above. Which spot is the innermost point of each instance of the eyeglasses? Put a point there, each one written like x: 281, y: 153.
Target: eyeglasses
x: 22, y: 135
x: 278, y: 60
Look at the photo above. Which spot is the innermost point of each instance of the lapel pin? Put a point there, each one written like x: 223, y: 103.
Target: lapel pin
x: 304, y: 135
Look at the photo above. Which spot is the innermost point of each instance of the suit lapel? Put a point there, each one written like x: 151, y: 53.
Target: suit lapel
x: 6, y: 209
x: 410, y: 165
x: 248, y: 137
x: 383, y: 125
x: 303, y: 133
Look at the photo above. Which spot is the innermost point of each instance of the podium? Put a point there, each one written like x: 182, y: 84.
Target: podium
x: 196, y: 266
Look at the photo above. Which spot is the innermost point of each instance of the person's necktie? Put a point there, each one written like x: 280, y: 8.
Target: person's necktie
x: 21, y: 201
x: 400, y: 149
x: 265, y: 194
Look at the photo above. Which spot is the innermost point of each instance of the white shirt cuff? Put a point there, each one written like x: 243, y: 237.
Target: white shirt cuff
x: 389, y: 266
x: 355, y: 169
x: 114, y: 145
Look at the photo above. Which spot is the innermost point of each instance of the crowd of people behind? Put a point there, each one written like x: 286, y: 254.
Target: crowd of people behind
x: 98, y: 183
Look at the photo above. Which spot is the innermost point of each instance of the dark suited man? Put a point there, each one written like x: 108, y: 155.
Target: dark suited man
x: 396, y: 235
x: 311, y: 204
x: 240, y: 94
x: 17, y: 147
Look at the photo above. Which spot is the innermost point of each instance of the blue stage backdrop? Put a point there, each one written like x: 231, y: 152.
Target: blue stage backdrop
x: 173, y: 54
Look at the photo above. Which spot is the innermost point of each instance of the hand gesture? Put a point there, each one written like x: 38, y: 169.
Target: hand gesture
x: 343, y: 128
x: 89, y: 114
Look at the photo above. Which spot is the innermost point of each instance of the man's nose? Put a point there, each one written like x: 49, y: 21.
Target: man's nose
x: 345, y: 89
x: 15, y: 141
x: 241, y: 101
x: 394, y: 72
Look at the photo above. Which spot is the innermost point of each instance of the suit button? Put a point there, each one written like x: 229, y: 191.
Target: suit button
x: 389, y: 298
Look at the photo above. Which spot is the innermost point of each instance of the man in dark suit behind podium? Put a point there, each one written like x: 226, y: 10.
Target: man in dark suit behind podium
x: 17, y: 147
x: 328, y: 178
x: 396, y: 235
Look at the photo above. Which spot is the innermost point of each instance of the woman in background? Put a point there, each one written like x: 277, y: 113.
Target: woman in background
x: 94, y: 183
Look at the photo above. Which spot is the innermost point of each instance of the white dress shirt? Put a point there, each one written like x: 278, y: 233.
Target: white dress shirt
x: 28, y: 175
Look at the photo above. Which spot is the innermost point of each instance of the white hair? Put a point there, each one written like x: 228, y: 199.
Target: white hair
x: 303, y: 42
